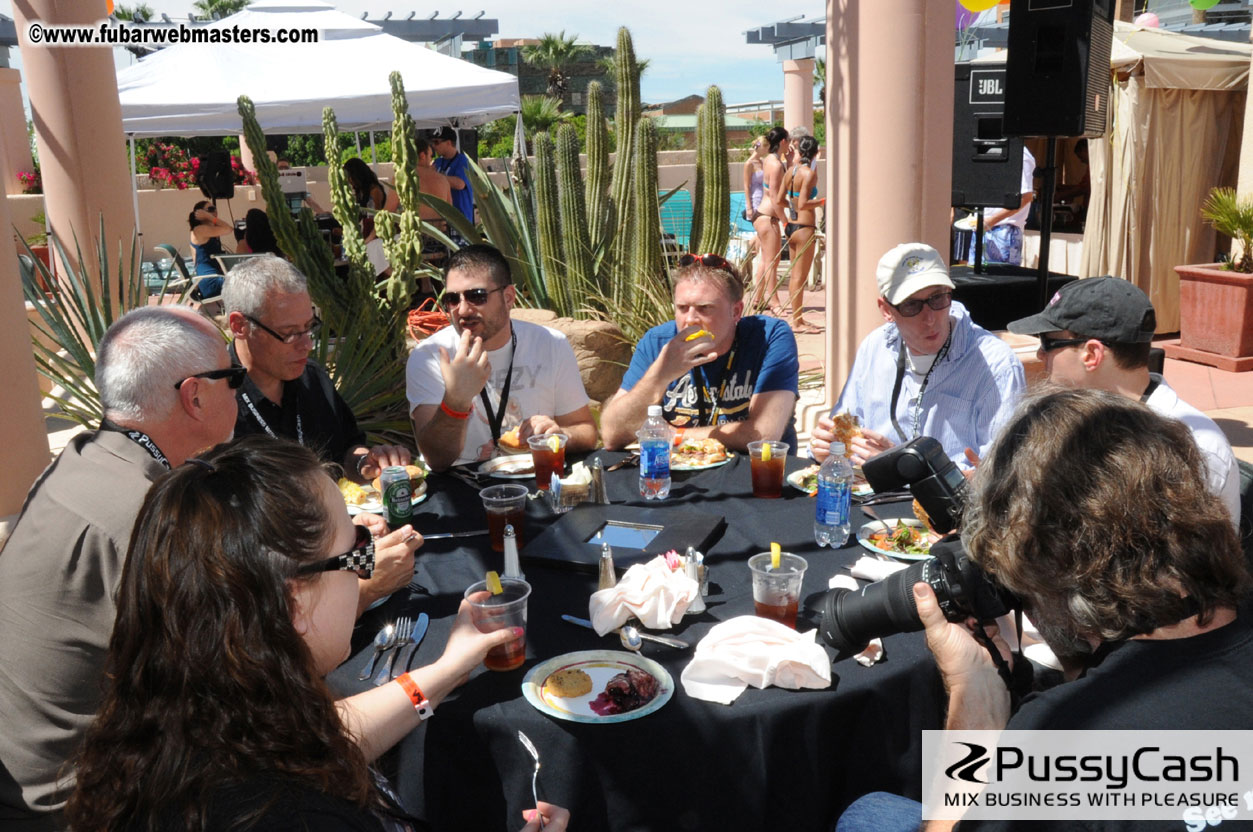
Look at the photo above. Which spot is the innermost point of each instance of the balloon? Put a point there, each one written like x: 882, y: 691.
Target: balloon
x: 1149, y: 21
x: 984, y: 5
x: 1202, y: 5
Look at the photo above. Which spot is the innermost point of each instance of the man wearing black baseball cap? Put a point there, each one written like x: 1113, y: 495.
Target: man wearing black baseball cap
x: 1096, y: 333
x: 455, y: 165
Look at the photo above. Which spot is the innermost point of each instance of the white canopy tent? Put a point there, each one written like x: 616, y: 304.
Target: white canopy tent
x: 191, y: 89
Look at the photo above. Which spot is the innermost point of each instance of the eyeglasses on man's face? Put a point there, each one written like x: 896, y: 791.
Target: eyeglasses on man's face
x: 359, y: 559
x: 475, y: 297
x: 234, y: 376
x: 912, y: 307
x: 292, y: 337
x: 1048, y: 344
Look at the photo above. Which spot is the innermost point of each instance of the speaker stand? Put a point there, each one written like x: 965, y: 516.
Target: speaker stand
x: 1049, y: 174
x: 978, y: 263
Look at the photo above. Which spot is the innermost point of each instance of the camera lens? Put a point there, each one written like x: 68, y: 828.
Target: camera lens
x: 850, y: 619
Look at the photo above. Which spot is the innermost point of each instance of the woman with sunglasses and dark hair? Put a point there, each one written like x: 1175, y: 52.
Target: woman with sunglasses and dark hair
x: 801, y: 183
x: 238, y: 594
x: 207, y: 231
x: 772, y: 213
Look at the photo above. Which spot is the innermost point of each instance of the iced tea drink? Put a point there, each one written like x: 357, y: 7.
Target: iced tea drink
x: 504, y: 504
x: 766, y: 459
x: 496, y: 612
x: 777, y: 591
x: 548, y: 451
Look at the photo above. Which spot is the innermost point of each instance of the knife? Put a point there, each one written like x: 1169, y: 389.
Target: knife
x: 672, y: 642
x: 442, y: 535
x: 406, y: 653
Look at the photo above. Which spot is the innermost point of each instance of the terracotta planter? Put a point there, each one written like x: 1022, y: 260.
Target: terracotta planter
x: 1216, y: 310
x: 41, y: 251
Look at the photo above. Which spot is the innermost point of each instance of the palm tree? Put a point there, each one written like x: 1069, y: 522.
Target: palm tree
x: 555, y: 52
x: 142, y: 11
x: 219, y: 8
x: 820, y: 79
x: 541, y: 114
x: 609, y: 67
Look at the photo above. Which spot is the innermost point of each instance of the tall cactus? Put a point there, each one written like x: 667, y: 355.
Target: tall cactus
x: 343, y: 201
x: 597, y: 193
x: 712, y: 176
x: 698, y: 187
x: 628, y: 114
x: 575, y: 241
x: 548, y: 220
x: 646, y: 264
x: 402, y: 233
x: 404, y: 148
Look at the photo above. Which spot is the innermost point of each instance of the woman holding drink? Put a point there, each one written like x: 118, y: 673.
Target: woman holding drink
x: 238, y: 594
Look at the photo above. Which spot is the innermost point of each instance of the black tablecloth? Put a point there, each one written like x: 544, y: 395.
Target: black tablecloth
x: 774, y: 759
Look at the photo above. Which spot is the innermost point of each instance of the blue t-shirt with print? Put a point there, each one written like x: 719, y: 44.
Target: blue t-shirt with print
x: 762, y: 359
x: 459, y: 166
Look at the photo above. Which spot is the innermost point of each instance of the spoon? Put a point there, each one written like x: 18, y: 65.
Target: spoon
x: 382, y: 641
x: 632, y: 639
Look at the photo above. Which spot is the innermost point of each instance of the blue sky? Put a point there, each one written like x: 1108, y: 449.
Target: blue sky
x: 691, y: 43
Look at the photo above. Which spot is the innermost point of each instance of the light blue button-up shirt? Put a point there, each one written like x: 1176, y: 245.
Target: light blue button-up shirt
x: 971, y: 393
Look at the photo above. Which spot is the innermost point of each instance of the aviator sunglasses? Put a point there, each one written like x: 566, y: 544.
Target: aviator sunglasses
x: 475, y: 297
x: 912, y: 307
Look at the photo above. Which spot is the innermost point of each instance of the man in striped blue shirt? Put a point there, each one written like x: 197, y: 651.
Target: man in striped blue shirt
x: 928, y: 371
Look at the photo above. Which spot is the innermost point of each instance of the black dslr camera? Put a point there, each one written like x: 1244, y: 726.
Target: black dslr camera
x: 850, y: 619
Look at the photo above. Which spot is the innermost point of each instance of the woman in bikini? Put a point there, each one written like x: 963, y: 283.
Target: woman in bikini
x: 802, y: 191
x: 772, y: 211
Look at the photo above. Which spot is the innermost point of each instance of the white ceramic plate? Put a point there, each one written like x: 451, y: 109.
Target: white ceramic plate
x: 375, y: 504
x: 796, y: 479
x: 601, y: 666
x: 680, y: 467
x: 863, y: 537
x: 515, y: 467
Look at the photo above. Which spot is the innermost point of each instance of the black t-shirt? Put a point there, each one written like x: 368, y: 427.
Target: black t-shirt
x: 1198, y: 683
x: 312, y: 413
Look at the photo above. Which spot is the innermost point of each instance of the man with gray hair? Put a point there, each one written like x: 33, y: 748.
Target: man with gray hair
x: 166, y: 386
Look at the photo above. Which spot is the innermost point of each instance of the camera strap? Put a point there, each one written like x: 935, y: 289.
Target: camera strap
x: 1018, y: 680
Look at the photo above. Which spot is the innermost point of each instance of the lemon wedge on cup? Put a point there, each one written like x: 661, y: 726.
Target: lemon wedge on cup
x: 775, y: 552
x: 493, y: 583
x: 765, y: 451
x: 554, y: 443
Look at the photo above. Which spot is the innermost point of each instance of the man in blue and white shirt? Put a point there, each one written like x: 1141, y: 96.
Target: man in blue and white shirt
x: 928, y: 371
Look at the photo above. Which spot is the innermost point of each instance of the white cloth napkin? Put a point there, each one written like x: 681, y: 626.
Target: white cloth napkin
x: 748, y: 650
x: 873, y: 569
x: 652, y: 592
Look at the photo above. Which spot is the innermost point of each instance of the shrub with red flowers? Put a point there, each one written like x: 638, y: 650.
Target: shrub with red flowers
x: 32, y: 182
x: 168, y: 165
x: 243, y: 176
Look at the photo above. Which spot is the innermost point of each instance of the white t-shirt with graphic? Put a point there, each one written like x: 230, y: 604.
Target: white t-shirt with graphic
x: 546, y: 382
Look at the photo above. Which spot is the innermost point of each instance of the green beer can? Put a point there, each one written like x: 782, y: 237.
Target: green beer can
x: 397, y: 495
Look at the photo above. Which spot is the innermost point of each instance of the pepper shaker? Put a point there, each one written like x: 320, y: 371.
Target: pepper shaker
x: 608, y: 576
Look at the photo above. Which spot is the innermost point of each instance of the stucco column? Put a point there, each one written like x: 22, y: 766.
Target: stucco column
x: 78, y: 128
x: 16, y: 145
x: 24, y: 452
x: 798, y: 94
x: 889, y: 155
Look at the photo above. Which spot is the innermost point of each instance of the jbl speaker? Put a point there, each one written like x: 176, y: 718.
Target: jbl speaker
x: 987, y: 166
x: 1057, y: 72
x: 216, y: 179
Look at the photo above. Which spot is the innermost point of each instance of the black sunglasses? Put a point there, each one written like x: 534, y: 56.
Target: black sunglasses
x: 234, y: 376
x: 911, y: 308
x: 312, y: 331
x: 1048, y: 344
x: 475, y: 297
x: 713, y: 261
x: 359, y: 559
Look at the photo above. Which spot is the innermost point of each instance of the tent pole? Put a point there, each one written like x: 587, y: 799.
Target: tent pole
x: 356, y: 138
x: 374, y: 154
x: 139, y: 232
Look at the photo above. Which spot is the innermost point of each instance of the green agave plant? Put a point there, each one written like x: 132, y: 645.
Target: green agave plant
x: 73, y: 316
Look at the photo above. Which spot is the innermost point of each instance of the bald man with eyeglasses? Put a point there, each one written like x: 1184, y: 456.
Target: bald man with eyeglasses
x: 928, y: 371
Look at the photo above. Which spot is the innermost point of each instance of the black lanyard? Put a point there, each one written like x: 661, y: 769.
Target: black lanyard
x: 494, y: 419
x: 900, y: 377
x: 717, y: 397
x: 140, y: 438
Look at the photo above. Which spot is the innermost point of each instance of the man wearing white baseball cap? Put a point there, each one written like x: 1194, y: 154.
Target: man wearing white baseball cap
x: 928, y: 371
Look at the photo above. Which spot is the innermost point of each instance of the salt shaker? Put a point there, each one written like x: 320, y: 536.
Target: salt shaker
x: 702, y: 574
x: 599, y: 495
x: 608, y: 577
x: 513, y: 568
x: 692, y: 568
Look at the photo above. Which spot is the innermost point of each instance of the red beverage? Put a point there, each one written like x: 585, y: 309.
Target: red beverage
x: 767, y: 477
x: 785, y: 614
x: 510, y: 655
x: 548, y: 462
x: 496, y: 522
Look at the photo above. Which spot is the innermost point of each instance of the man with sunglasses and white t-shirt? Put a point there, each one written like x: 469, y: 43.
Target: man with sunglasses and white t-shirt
x: 474, y: 381
x: 928, y: 371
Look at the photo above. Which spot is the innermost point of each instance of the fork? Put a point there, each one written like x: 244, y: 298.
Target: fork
x: 530, y: 747
x: 404, y: 635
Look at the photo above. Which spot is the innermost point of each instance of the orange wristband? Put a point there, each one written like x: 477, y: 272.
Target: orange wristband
x: 456, y: 414
x: 420, y: 703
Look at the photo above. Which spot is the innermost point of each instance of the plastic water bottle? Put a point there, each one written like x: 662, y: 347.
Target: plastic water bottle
x: 835, y: 485
x: 655, y: 439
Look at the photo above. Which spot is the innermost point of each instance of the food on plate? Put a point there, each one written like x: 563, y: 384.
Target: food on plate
x: 625, y: 692
x: 354, y: 495
x: 846, y: 427
x: 416, y: 480
x: 904, y: 539
x: 697, y: 452
x: 522, y: 465
x: 511, y: 440
x: 568, y: 683
x: 923, y: 517
x: 808, y: 478
x: 700, y: 333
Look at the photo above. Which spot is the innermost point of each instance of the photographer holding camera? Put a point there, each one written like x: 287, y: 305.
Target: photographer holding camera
x: 1092, y: 511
